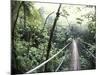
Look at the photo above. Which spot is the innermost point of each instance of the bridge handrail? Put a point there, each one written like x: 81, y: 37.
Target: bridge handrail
x: 60, y: 64
x: 89, y: 52
x: 86, y: 43
x: 37, y: 67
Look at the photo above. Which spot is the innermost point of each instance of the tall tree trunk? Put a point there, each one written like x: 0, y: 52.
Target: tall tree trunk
x: 50, y: 39
x: 13, y: 26
x: 24, y: 14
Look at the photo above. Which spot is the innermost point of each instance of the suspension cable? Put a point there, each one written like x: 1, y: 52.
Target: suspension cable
x: 86, y: 43
x: 89, y: 52
x: 60, y: 64
x: 30, y: 71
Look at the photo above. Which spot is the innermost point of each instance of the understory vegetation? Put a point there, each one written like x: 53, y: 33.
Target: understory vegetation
x: 38, y: 33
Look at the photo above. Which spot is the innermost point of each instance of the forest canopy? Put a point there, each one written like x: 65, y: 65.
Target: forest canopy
x: 40, y: 30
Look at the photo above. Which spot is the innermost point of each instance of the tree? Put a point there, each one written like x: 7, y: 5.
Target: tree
x: 15, y: 13
x: 51, y: 35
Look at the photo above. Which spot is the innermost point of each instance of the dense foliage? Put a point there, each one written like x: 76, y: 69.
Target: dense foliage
x: 30, y: 37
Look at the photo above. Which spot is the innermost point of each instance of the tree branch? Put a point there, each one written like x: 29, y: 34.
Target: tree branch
x: 46, y: 20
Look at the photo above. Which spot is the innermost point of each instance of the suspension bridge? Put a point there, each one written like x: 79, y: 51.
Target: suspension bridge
x: 75, y: 57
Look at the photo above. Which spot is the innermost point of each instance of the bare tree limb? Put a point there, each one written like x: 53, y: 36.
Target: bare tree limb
x: 46, y: 20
